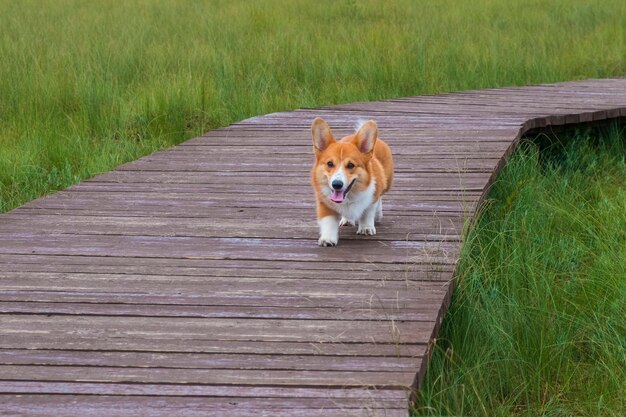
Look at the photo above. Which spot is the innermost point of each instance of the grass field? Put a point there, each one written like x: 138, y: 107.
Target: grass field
x: 85, y: 86
x: 537, y: 323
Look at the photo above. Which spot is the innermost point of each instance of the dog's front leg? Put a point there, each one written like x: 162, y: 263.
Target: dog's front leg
x: 366, y: 222
x: 329, y: 225
x: 329, y: 230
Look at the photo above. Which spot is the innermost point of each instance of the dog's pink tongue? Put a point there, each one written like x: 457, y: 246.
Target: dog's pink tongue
x: 337, y: 196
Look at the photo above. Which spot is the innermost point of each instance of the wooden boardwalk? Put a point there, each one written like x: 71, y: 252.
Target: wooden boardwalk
x: 189, y: 282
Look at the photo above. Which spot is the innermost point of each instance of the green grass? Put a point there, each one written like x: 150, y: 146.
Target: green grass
x: 85, y: 85
x: 537, y: 325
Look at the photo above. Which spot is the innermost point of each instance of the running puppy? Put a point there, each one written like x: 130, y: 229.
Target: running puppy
x: 349, y: 177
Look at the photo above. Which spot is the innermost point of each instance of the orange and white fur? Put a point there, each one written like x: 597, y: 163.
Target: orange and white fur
x: 349, y: 177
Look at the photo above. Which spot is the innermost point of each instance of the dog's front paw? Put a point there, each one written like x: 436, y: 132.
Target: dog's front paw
x: 329, y: 231
x: 325, y: 241
x: 366, y: 230
x: 346, y: 222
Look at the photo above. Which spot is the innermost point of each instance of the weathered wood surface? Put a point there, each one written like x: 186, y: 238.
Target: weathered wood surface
x: 189, y: 282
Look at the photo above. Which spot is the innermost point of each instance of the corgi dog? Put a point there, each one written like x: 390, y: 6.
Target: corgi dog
x: 349, y: 177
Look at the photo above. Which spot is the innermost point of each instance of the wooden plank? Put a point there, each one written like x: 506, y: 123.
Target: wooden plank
x: 218, y: 329
x: 444, y: 225
x: 221, y: 267
x: 357, y: 250
x: 214, y: 346
x: 190, y: 273
x: 394, y: 202
x: 165, y: 406
x: 424, y: 310
x: 235, y: 181
x: 218, y: 218
x: 297, y: 378
x: 430, y: 149
x: 288, y: 282
x: 207, y: 361
x: 303, y: 208
x: 230, y: 164
x: 367, y: 301
x: 125, y: 390
x: 186, y: 288
x: 94, y: 186
x: 222, y: 204
x: 224, y: 267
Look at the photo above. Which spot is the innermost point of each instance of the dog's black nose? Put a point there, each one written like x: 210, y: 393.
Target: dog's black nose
x: 337, y: 185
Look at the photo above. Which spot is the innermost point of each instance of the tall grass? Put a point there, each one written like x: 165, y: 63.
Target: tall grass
x: 86, y: 85
x: 537, y: 325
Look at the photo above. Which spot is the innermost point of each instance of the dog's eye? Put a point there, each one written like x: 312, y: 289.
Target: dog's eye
x: 330, y: 164
x: 350, y: 165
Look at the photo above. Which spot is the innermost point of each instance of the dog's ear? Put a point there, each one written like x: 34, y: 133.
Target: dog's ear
x: 322, y: 135
x: 365, y: 138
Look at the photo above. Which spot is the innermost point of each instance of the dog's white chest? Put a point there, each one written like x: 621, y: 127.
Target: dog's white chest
x: 354, y: 205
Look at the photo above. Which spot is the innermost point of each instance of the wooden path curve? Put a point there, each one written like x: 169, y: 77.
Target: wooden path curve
x: 189, y: 282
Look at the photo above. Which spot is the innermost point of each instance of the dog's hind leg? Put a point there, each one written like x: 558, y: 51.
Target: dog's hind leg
x: 345, y: 222
x: 379, y: 210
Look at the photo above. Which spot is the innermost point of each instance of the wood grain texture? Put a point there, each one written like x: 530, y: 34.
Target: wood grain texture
x: 189, y: 282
